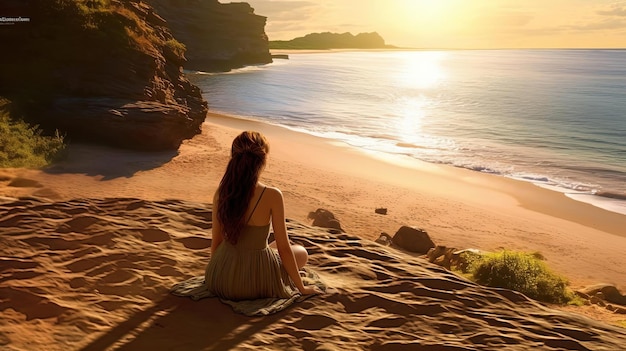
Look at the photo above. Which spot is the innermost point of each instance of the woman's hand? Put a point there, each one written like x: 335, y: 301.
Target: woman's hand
x: 310, y: 290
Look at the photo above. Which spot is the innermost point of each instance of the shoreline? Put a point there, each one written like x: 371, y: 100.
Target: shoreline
x: 605, y: 201
x: 544, y: 164
x: 530, y: 196
x: 457, y: 207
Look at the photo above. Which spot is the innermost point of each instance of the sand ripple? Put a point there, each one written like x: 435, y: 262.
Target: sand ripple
x: 93, y: 274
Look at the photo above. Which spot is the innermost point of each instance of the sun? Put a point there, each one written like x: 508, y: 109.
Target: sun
x: 424, y: 10
x: 425, y: 15
x: 428, y: 7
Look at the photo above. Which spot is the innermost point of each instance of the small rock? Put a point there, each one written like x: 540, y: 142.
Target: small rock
x: 597, y: 301
x: 620, y: 310
x: 384, y: 239
x: 325, y: 219
x: 606, y: 292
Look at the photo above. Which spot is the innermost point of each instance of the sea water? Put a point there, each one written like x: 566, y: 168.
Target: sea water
x: 556, y: 118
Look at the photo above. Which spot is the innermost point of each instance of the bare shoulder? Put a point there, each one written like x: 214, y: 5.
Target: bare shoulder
x: 273, y: 192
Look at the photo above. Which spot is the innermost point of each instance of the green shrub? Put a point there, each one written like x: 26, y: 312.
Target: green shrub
x: 175, y: 46
x: 23, y: 145
x: 521, y: 272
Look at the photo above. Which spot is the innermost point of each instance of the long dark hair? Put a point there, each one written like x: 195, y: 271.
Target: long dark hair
x: 247, y: 158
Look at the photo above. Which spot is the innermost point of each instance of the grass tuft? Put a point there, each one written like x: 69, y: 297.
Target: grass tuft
x: 176, y: 47
x: 521, y: 272
x: 23, y: 145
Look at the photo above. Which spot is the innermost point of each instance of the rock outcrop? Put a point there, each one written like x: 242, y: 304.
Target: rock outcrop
x: 218, y: 37
x: 100, y: 71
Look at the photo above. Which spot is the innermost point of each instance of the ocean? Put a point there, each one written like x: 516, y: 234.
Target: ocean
x: 556, y: 118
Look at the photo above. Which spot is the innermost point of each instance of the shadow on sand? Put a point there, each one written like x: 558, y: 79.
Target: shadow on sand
x: 178, y: 323
x: 108, y: 162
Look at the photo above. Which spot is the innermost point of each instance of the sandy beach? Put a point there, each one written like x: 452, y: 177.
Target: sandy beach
x: 97, y: 271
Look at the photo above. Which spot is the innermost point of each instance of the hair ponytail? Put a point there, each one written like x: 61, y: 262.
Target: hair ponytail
x: 248, y: 156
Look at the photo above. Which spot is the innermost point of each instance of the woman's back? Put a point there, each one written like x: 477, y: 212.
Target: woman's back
x: 259, y: 210
x: 242, y: 266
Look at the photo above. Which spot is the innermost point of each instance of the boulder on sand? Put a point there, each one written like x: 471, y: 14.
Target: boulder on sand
x: 325, y: 219
x: 413, y: 239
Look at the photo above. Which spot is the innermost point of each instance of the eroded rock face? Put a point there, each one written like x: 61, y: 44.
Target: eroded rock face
x: 218, y: 37
x: 100, y: 71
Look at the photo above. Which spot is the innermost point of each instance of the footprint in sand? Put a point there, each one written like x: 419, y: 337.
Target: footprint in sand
x: 30, y: 304
x: 153, y: 235
x: 13, y: 269
x: 314, y: 322
x: 47, y: 193
x: 195, y: 242
x: 77, y: 224
x: 25, y: 183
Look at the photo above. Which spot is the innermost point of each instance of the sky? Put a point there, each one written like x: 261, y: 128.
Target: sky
x: 463, y: 24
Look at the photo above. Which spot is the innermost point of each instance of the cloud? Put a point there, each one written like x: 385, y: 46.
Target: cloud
x: 508, y: 19
x: 498, y: 23
x: 604, y: 24
x: 606, y: 20
x: 288, y: 19
x: 617, y: 9
x: 285, y: 10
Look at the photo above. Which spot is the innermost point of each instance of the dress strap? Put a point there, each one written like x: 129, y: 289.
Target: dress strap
x: 257, y: 204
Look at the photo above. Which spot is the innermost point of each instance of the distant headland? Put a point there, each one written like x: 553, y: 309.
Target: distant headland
x: 328, y: 40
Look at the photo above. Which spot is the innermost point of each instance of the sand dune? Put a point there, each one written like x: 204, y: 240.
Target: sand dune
x: 90, y: 246
x: 94, y: 274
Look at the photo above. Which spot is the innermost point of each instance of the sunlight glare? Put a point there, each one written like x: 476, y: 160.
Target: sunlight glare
x: 425, y: 13
x: 425, y: 7
x: 421, y: 70
x: 411, y: 114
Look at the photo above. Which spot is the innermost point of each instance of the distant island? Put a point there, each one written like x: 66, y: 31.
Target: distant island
x: 328, y: 40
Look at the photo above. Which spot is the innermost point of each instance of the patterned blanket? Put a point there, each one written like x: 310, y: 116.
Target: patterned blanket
x: 195, y: 289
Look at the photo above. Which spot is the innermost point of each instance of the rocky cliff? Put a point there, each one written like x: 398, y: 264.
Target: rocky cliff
x: 105, y: 71
x: 218, y: 36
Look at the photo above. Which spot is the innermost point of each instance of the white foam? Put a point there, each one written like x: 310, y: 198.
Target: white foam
x: 608, y: 204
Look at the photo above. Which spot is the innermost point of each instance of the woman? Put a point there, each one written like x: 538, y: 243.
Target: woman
x: 242, y: 265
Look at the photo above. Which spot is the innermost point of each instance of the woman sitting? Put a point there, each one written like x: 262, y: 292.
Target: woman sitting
x: 243, y: 266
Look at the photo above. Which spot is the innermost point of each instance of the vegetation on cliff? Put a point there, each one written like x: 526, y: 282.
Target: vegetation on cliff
x: 106, y: 71
x: 23, y: 145
x: 327, y: 40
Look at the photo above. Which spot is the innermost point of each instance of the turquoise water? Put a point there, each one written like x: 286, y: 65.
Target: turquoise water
x: 556, y: 118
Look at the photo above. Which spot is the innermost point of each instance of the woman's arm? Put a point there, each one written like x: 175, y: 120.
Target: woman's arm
x: 277, y: 207
x: 216, y: 232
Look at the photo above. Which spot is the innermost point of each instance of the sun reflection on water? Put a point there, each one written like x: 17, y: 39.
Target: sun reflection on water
x: 422, y: 73
x: 421, y: 70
